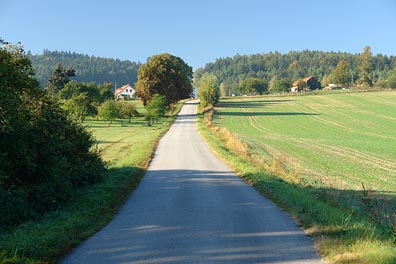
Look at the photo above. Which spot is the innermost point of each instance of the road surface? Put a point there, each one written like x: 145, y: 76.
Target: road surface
x: 191, y: 208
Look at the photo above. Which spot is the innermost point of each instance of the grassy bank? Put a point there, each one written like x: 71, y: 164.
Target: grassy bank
x: 127, y: 147
x: 294, y: 151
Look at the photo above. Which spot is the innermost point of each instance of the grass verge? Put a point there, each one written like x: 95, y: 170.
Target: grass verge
x: 128, y: 148
x: 341, y: 234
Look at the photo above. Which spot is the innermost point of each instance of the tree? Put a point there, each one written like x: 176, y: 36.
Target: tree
x: 224, y: 91
x: 155, y: 108
x: 253, y: 86
x: 342, y: 73
x: 325, y: 80
x: 208, y: 90
x: 302, y: 85
x: 59, y: 78
x: 366, y: 67
x: 109, y: 111
x: 166, y: 75
x: 282, y: 85
x: 295, y: 70
x: 95, y: 94
x: 76, y: 106
x: 127, y: 110
x: 391, y: 80
x: 44, y: 156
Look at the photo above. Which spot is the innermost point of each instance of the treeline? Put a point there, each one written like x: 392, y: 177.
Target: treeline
x: 88, y: 68
x: 289, y: 67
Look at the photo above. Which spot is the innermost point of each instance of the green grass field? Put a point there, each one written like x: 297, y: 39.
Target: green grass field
x: 127, y: 147
x: 340, y: 140
x: 334, y: 144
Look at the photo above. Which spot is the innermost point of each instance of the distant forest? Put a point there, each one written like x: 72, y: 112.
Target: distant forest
x: 294, y: 65
x: 88, y: 68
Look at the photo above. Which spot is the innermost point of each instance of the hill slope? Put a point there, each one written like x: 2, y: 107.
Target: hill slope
x: 88, y: 68
x: 292, y: 66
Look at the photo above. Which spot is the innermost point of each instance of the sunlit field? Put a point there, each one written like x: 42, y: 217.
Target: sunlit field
x: 343, y: 142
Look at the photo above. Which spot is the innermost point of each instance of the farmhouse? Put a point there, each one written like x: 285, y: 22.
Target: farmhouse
x: 125, y: 92
x: 312, y: 84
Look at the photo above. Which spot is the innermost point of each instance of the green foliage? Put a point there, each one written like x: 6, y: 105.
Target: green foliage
x: 391, y: 82
x: 76, y: 107
x: 155, y: 108
x: 167, y: 75
x: 49, y: 238
x: 44, y: 156
x: 127, y: 110
x: 366, y: 67
x: 295, y: 71
x: 88, y: 68
x: 208, y: 90
x: 329, y: 153
x: 302, y: 85
x: 291, y: 66
x: 279, y: 86
x: 96, y: 94
x: 109, y: 111
x: 342, y: 73
x: 253, y: 86
x: 59, y: 78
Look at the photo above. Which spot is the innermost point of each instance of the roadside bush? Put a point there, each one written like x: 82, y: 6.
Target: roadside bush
x: 208, y: 90
x: 44, y: 156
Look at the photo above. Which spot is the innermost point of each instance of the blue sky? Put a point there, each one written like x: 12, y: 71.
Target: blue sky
x: 198, y: 31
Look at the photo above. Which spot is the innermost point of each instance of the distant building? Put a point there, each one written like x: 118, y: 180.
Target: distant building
x: 312, y: 84
x: 335, y: 86
x: 125, y: 92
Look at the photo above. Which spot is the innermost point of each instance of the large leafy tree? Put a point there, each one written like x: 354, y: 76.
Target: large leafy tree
x: 166, y: 75
x: 278, y: 86
x: 253, y: 86
x: 342, y: 73
x: 366, y: 67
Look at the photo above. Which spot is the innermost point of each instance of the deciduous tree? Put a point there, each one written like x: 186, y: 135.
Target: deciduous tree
x: 127, y: 110
x: 208, y: 90
x: 166, y: 75
x: 109, y: 111
x: 366, y: 67
x: 155, y: 108
x: 282, y: 85
x: 342, y: 73
x: 253, y: 86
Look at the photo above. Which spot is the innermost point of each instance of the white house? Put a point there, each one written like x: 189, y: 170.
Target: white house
x: 125, y: 92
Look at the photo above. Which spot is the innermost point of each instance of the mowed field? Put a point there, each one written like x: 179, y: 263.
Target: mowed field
x: 337, y: 142
x: 126, y: 143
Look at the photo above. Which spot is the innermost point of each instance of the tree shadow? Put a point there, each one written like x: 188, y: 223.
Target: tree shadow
x: 223, y: 113
x: 182, y: 216
x: 249, y: 103
x: 221, y: 108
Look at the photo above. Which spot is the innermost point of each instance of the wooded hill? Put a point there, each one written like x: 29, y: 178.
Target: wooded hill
x: 88, y: 68
x: 295, y: 65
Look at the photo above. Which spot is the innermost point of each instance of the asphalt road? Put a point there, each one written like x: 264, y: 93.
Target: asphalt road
x: 190, y: 208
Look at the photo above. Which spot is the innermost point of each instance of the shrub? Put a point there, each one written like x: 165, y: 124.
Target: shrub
x: 44, y: 156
